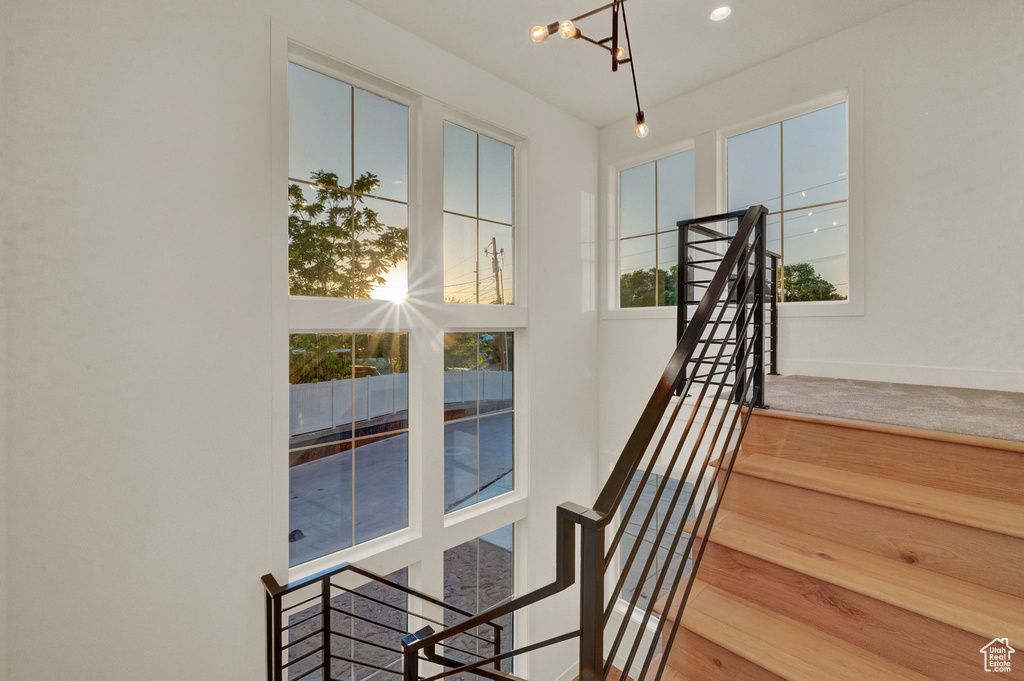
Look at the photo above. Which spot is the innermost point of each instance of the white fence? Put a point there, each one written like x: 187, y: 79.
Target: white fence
x: 462, y: 386
x: 318, y: 406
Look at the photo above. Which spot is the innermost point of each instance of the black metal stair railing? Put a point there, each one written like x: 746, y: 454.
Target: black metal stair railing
x: 690, y: 430
x: 306, y: 622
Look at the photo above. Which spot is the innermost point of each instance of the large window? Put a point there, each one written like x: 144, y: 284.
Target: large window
x: 652, y: 198
x: 347, y: 190
x: 479, y: 253
x: 479, y: 575
x: 797, y: 168
x: 349, y: 445
x: 363, y: 357
x: 478, y: 412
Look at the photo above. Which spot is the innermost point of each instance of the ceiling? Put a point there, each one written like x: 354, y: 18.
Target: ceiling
x: 677, y: 48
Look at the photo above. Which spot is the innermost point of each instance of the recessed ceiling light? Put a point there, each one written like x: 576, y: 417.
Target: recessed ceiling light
x: 720, y: 13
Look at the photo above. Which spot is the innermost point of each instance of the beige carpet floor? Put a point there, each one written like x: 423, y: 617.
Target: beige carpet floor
x: 953, y: 410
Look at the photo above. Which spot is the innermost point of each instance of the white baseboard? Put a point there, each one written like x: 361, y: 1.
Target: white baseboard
x: 569, y: 674
x: 981, y: 379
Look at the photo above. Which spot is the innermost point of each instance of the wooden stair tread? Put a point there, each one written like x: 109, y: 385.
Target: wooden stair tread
x: 987, y: 514
x: 890, y: 429
x: 954, y: 602
x: 615, y: 674
x: 782, y: 646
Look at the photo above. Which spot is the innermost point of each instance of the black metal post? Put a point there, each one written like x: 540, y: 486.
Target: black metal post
x: 741, y: 324
x: 591, y: 600
x: 497, y: 647
x: 682, y: 286
x: 325, y: 622
x: 273, y: 638
x: 682, y: 281
x: 411, y: 664
x: 759, y: 298
x: 775, y: 317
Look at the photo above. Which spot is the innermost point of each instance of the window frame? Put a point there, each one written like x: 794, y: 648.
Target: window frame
x: 613, y: 241
x: 853, y: 98
x: 420, y: 546
x: 478, y: 128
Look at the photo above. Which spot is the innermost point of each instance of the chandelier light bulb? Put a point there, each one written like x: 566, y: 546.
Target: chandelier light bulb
x: 567, y: 30
x: 539, y: 33
x: 641, y: 126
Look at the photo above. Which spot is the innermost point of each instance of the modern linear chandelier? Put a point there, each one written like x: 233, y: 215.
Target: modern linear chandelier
x: 620, y: 55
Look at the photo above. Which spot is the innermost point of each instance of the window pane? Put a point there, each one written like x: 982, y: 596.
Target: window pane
x: 319, y: 125
x: 461, y: 476
x: 459, y: 169
x: 381, y: 486
x: 320, y: 507
x: 461, y: 361
x: 496, y: 454
x: 495, y: 180
x: 774, y: 233
x: 364, y: 619
x: 384, y: 606
x: 319, y: 242
x: 636, y: 201
x: 496, y: 371
x: 349, y: 394
x: 381, y: 135
x: 668, y: 267
x: 637, y: 286
x: 460, y: 259
x: 381, y: 249
x: 497, y: 263
x: 814, y: 157
x: 479, y: 574
x: 816, y: 263
x: 754, y: 161
x: 479, y: 451
x: 675, y: 190
x: 337, y: 252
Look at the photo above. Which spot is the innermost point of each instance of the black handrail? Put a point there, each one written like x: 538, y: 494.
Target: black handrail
x: 731, y: 278
x: 719, y: 356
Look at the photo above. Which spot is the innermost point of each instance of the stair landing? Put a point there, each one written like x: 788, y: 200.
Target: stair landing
x: 984, y: 413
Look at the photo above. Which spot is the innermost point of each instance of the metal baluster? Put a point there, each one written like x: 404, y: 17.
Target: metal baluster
x: 759, y: 275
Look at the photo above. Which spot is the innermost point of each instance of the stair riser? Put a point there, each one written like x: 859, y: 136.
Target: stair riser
x: 957, y: 467
x: 695, y: 658
x: 986, y: 558
x: 929, y: 647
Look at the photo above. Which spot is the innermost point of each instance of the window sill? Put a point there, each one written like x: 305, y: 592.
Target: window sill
x: 665, y: 312
x: 824, y: 308
x: 353, y: 554
x: 510, y: 505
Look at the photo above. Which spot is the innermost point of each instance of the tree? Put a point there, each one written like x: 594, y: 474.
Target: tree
x: 641, y: 288
x: 337, y: 248
x: 317, y: 357
x: 802, y: 282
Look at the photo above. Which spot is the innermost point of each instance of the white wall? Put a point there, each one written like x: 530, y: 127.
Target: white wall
x: 937, y: 147
x: 136, y: 267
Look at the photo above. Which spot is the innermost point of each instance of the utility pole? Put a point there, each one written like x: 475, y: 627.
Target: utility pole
x: 492, y: 251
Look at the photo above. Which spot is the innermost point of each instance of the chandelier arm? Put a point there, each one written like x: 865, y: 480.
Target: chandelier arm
x: 632, y: 69
x: 595, y: 11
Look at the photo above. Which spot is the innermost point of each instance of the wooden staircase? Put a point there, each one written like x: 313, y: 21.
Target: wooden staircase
x: 856, y: 551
